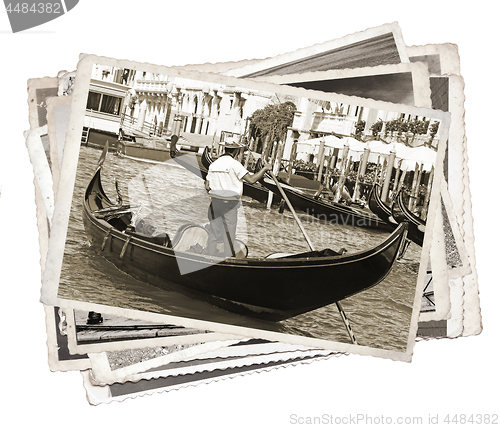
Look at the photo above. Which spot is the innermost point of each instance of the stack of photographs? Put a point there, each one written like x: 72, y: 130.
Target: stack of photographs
x: 358, y: 240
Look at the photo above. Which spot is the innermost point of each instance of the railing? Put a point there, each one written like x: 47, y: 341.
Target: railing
x: 152, y: 86
x: 130, y: 125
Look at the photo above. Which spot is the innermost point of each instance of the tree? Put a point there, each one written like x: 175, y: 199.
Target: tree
x: 390, y: 127
x: 433, y: 129
x: 359, y: 128
x: 272, y: 121
x: 418, y: 127
x: 376, y: 128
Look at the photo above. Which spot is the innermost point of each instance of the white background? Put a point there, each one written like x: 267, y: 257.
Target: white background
x: 445, y: 377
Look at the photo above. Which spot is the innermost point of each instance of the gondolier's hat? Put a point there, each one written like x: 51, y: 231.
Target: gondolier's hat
x: 232, y: 143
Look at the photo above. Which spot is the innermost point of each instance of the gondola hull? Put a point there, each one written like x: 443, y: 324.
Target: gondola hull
x: 331, y: 212
x: 416, y: 226
x: 272, y: 289
x: 397, y: 214
x: 138, y: 151
x: 380, y: 209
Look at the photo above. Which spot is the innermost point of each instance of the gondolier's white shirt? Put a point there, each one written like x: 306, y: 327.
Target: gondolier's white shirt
x: 225, y: 177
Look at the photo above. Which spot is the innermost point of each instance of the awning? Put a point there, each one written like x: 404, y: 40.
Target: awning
x: 411, y: 156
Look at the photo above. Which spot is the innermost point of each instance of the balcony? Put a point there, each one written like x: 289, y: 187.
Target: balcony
x: 328, y: 122
x: 153, y: 86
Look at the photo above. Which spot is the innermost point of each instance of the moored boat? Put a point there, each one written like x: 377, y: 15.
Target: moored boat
x: 379, y: 208
x: 324, y: 209
x: 268, y: 288
x: 416, y: 226
x: 144, y: 149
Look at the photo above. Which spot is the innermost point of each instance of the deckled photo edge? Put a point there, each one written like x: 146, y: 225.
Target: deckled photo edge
x: 434, y: 207
x: 393, y: 28
x: 78, y: 104
x: 419, y: 71
x: 146, y: 371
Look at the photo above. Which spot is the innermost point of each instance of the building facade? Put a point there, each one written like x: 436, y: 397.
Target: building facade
x: 150, y: 104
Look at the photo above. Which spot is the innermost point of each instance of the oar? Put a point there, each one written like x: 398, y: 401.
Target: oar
x: 339, y: 306
x: 278, y: 185
x: 346, y: 323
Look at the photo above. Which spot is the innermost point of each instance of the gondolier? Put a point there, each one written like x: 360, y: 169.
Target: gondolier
x: 224, y: 183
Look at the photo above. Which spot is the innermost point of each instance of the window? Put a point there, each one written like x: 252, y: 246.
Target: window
x: 104, y: 103
x: 93, y: 101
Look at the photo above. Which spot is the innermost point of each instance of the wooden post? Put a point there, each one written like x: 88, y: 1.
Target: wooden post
x: 383, y: 170
x: 321, y: 158
x: 413, y: 187
x: 417, y: 188
x: 413, y: 201
x: 364, y: 162
x: 378, y: 170
x: 334, y: 154
x: 355, y: 194
x: 350, y: 165
x: 388, y: 175
x: 334, y: 159
x: 326, y: 162
x: 293, y: 156
x: 328, y: 173
x: 428, y: 195
x: 340, y: 183
x: 279, y: 155
x: 274, y: 150
x: 396, y: 180
x: 264, y: 148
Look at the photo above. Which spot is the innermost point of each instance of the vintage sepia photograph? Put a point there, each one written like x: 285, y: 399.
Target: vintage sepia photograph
x: 248, y: 214
x: 258, y: 207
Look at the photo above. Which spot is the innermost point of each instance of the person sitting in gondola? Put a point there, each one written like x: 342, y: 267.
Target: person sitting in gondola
x: 330, y: 194
x: 344, y: 194
x: 224, y: 183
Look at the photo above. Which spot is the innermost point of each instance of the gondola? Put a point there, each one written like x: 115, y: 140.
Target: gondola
x: 379, y: 208
x: 324, y: 209
x: 416, y: 226
x: 273, y: 288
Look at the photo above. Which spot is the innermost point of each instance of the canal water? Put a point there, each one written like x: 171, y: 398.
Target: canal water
x: 170, y: 196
